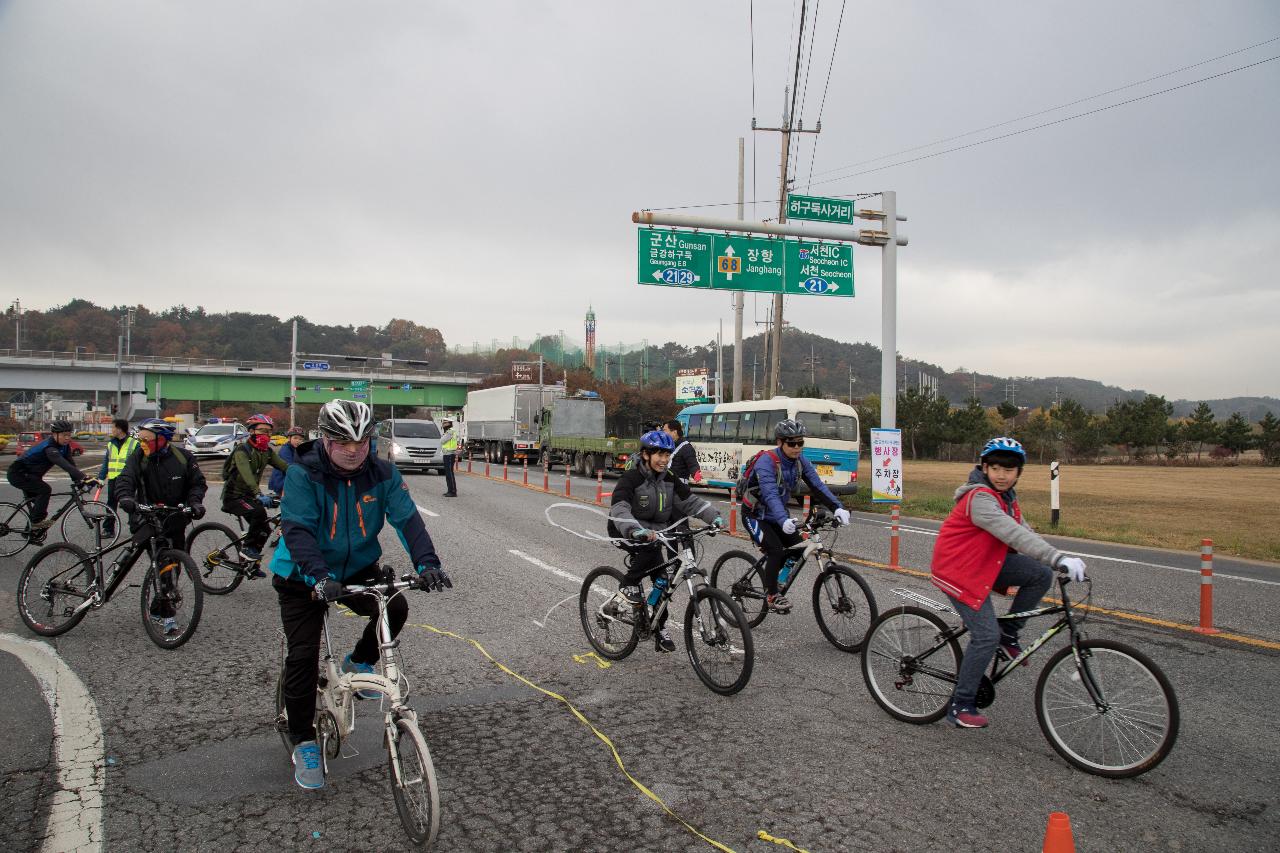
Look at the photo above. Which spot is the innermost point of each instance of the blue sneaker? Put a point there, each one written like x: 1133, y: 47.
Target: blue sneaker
x: 250, y: 553
x: 307, y: 770
x: 348, y: 665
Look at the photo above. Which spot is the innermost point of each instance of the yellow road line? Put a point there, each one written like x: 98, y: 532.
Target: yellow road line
x: 782, y: 842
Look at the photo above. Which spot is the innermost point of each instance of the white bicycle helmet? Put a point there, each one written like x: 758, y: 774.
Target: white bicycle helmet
x: 345, y: 420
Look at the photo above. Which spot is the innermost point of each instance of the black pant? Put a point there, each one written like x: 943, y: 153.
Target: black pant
x: 450, y: 486
x: 113, y: 501
x: 645, y: 560
x: 303, y: 618
x: 252, y: 511
x: 34, y: 489
x: 174, y: 526
x: 774, y: 542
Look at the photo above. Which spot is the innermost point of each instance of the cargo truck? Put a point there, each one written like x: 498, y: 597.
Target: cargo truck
x: 573, y: 433
x: 502, y: 423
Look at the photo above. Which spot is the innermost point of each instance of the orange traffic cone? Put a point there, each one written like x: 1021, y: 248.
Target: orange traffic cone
x: 1057, y: 836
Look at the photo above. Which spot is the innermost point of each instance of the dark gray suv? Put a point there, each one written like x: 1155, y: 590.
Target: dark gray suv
x: 410, y: 445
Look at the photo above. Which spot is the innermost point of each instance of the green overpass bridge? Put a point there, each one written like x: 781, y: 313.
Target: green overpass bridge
x: 140, y: 380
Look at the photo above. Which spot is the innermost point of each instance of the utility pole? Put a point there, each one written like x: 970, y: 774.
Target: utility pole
x: 754, y: 362
x: 739, y: 298
x: 812, y: 363
x: 851, y: 380
x: 16, y: 310
x: 293, y: 379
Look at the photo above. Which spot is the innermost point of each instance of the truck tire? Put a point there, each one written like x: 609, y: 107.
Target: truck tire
x: 588, y: 465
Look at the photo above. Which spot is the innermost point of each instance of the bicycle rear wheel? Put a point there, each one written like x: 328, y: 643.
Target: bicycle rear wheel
x: 171, y: 599
x: 737, y: 573
x: 608, y: 620
x: 1128, y: 729
x: 15, y: 528
x: 213, y: 548
x: 844, y: 606
x: 413, y: 781
x: 57, y: 580
x: 909, y: 670
x: 717, y: 638
x: 81, y: 522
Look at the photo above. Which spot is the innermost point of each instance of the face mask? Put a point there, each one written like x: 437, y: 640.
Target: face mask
x: 259, y: 442
x: 345, y: 460
x: 151, y: 446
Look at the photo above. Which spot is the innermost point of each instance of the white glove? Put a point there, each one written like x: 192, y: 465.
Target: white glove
x: 1074, y: 567
x: 842, y: 515
x: 789, y: 526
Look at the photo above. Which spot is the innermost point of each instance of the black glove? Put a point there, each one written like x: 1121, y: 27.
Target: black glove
x: 433, y: 579
x: 197, y: 511
x: 129, y: 505
x: 327, y: 590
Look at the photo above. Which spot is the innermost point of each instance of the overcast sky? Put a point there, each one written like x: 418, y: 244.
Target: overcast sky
x: 473, y: 166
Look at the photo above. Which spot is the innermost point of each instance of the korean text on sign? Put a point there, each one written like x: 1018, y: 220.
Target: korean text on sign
x: 886, y: 465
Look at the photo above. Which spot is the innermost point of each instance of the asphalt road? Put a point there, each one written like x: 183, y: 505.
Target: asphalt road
x: 191, y: 760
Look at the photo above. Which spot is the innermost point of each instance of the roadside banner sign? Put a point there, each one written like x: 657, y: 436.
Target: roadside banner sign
x: 886, y: 465
x: 673, y: 258
x: 691, y: 385
x: 819, y: 269
x: 315, y: 365
x: 522, y: 371
x: 818, y: 209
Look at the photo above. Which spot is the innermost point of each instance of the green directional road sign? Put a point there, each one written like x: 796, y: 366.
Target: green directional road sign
x: 820, y: 269
x: 359, y: 385
x: 747, y: 263
x: 673, y: 258
x: 818, y: 209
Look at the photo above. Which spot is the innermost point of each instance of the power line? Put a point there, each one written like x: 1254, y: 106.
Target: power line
x: 1050, y: 123
x: 813, y: 152
x: 1038, y: 112
x: 751, y: 25
x: 808, y: 65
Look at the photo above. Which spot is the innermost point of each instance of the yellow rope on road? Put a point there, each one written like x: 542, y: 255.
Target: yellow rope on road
x: 582, y: 719
x: 782, y: 842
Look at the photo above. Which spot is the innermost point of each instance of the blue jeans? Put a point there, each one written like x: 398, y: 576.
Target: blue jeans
x: 1033, y: 579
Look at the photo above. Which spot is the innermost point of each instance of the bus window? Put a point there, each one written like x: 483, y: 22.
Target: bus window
x: 771, y: 419
x: 748, y: 423
x: 827, y: 425
x: 699, y: 427
x: 725, y: 428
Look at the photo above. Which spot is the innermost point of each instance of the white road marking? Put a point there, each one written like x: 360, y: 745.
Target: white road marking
x: 560, y: 573
x: 428, y: 513
x: 905, y: 529
x: 75, y: 809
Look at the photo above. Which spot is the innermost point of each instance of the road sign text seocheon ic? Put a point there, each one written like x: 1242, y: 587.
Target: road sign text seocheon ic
x: 741, y: 262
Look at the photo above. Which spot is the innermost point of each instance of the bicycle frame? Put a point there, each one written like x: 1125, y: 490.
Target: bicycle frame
x: 104, y: 587
x: 686, y: 563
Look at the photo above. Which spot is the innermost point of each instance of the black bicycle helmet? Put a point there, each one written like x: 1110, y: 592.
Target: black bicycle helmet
x: 345, y: 420
x: 60, y: 426
x: 790, y: 428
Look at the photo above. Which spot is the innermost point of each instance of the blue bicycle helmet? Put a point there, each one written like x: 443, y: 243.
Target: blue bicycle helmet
x: 656, y: 439
x: 163, y: 429
x: 1003, y: 444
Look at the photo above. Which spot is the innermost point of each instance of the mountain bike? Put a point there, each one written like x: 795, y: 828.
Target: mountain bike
x: 843, y: 602
x: 79, y: 516
x: 63, y: 582
x: 717, y: 636
x: 1103, y: 706
x: 216, y: 549
x: 413, y: 777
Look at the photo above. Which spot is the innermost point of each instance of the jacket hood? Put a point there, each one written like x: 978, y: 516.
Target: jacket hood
x: 976, y: 480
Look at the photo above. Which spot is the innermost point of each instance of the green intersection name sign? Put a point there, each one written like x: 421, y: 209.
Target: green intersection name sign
x: 818, y: 209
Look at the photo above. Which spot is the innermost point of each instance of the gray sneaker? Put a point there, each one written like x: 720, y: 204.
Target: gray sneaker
x: 308, y: 771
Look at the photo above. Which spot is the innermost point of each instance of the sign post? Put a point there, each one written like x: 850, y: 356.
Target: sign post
x: 886, y: 465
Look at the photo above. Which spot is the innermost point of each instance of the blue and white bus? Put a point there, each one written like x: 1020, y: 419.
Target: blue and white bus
x: 728, y: 435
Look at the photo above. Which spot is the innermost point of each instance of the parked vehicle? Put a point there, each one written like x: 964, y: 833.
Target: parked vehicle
x: 216, y: 439
x: 26, y: 440
x: 410, y: 445
x: 502, y: 422
x: 572, y: 432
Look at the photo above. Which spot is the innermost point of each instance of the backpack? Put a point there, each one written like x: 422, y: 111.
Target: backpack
x: 748, y: 485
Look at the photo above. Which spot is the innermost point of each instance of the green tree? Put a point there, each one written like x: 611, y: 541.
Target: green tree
x: 809, y: 391
x: 868, y: 417
x: 1175, y: 441
x: 1268, y: 440
x: 1007, y: 410
x: 1202, y: 428
x: 1237, y: 435
x: 923, y: 420
x: 968, y: 426
x: 1039, y: 435
x: 1082, y: 433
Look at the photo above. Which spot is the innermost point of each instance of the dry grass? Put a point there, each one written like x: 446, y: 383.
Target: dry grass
x: 1238, y: 508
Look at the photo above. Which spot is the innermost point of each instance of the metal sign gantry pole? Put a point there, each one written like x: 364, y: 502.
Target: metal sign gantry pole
x: 887, y: 238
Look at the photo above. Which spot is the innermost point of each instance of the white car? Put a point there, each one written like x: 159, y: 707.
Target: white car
x: 216, y: 439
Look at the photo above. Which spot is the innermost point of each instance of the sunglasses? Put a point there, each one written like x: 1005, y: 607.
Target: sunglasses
x: 795, y: 442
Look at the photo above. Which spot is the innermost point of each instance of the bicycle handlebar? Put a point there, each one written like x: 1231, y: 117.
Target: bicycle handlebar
x: 162, y: 509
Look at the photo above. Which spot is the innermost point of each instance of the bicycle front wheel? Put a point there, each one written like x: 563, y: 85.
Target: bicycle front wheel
x: 844, y: 606
x: 909, y: 669
x: 171, y: 599
x: 737, y: 573
x: 608, y: 619
x: 717, y: 637
x: 213, y: 548
x: 57, y: 580
x: 1124, y: 726
x: 15, y: 528
x: 81, y: 523
x: 413, y: 782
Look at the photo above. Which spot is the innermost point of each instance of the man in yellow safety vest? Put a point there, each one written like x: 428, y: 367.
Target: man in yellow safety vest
x: 119, y: 447
x: 449, y: 448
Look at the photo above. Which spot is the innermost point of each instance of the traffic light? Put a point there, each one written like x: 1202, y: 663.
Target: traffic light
x: 114, y: 408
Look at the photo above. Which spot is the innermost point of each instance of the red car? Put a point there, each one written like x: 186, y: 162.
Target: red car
x: 27, y: 440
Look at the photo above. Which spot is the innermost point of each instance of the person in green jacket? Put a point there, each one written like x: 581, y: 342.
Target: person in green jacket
x: 241, y: 495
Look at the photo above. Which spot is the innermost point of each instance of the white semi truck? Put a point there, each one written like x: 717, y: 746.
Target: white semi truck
x: 502, y: 423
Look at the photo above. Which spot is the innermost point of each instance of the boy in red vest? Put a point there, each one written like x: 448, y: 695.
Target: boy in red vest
x: 985, y: 544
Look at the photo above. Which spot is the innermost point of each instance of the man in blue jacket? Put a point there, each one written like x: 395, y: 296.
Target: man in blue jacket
x: 336, y: 497
x: 28, y: 470
x: 772, y: 481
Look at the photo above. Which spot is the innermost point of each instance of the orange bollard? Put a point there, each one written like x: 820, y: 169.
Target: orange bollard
x: 1206, y: 588
x: 566, y: 480
x: 733, y: 511
x: 1057, y: 835
x: 468, y: 463
x: 526, y: 472
x: 893, y: 536
x: 808, y: 502
x: 546, y: 478
x: 599, y: 488
x: 504, y: 470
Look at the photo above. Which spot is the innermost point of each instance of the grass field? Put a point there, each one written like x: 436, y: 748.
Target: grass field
x: 1238, y: 508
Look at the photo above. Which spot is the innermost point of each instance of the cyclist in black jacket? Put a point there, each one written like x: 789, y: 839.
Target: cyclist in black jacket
x: 28, y: 470
x: 684, y: 459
